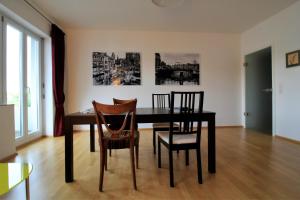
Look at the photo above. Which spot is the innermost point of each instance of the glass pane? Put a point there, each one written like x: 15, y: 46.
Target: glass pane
x: 33, y: 60
x: 13, y: 73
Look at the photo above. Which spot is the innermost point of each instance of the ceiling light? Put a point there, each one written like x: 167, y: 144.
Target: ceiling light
x: 167, y: 3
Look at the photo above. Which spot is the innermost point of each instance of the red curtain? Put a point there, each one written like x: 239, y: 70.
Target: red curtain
x: 58, y: 63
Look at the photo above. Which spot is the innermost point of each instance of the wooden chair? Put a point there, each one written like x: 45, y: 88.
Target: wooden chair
x: 113, y: 138
x: 160, y: 101
x: 186, y: 137
x: 117, y: 125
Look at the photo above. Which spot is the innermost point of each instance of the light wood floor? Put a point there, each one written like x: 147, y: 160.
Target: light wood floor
x: 250, y: 165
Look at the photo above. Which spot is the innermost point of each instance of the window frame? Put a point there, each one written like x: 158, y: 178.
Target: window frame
x: 5, y: 21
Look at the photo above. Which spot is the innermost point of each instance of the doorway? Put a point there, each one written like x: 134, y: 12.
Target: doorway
x: 22, y: 79
x: 258, y: 79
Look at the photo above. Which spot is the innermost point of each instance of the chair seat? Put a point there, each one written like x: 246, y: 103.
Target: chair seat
x: 177, y: 138
x: 164, y: 125
x: 122, y: 143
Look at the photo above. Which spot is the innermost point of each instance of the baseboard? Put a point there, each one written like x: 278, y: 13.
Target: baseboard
x: 8, y: 158
x: 287, y: 139
x: 239, y: 126
x: 145, y: 129
x: 30, y: 142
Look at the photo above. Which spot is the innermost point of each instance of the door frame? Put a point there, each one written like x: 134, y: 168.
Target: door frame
x: 274, y: 88
x: 23, y: 72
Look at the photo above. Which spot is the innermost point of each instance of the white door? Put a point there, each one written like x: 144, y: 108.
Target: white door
x: 22, y: 54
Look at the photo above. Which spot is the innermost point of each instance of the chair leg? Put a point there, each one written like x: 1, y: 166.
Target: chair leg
x: 199, y: 166
x: 171, y: 168
x: 105, y: 164
x: 159, y: 153
x: 132, y: 166
x: 154, y: 141
x: 137, y: 155
x: 102, y: 163
x: 177, y: 152
x: 27, y: 188
x: 109, y: 152
x: 187, y: 157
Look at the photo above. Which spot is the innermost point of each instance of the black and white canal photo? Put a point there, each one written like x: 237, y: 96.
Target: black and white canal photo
x: 116, y: 68
x: 177, y: 69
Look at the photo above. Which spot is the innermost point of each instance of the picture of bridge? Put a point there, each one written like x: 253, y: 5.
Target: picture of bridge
x: 177, y: 69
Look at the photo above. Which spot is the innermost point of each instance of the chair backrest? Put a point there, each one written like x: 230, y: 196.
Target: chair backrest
x: 127, y: 110
x: 160, y: 100
x: 122, y: 101
x: 118, y: 124
x: 187, y: 103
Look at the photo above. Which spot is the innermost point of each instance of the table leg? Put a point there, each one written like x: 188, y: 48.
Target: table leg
x: 211, y: 145
x: 69, y: 175
x: 92, y: 137
x: 27, y: 188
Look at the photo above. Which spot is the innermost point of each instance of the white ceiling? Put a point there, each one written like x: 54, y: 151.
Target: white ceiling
x: 223, y: 16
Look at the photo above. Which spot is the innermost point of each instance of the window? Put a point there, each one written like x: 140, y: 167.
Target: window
x: 33, y: 83
x: 22, y: 78
x: 13, y: 73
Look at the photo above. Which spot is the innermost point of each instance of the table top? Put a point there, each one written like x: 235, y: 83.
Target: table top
x: 139, y: 111
x: 143, y: 115
x: 12, y: 174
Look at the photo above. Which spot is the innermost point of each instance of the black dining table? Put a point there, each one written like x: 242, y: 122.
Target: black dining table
x: 143, y: 115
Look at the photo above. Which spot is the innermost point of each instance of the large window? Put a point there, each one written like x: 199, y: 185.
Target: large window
x: 13, y: 74
x: 33, y: 83
x: 21, y: 74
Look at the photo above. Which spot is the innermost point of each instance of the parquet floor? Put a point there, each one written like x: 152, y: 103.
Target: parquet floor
x: 250, y: 165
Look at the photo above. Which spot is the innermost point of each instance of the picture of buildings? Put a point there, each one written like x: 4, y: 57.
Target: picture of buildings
x: 116, y: 68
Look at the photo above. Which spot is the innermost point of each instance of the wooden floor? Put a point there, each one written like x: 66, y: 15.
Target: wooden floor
x: 250, y: 165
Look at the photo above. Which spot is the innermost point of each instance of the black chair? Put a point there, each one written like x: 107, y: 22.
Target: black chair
x: 160, y: 101
x: 187, y: 136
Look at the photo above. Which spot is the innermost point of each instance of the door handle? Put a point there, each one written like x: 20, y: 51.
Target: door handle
x: 267, y: 90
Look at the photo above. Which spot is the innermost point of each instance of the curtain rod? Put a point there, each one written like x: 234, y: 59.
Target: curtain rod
x: 39, y: 12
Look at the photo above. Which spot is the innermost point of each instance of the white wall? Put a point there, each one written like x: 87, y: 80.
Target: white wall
x: 282, y: 32
x: 219, y: 68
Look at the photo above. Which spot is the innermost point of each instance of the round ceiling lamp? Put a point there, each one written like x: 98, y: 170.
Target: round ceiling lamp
x: 167, y: 3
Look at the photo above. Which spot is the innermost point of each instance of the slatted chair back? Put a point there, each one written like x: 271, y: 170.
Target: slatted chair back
x: 160, y: 101
x: 186, y: 103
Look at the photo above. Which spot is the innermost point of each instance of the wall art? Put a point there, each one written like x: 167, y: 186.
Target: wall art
x: 116, y: 68
x: 293, y: 59
x: 177, y: 69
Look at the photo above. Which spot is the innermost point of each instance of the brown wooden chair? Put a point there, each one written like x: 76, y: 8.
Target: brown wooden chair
x: 186, y: 137
x: 160, y: 101
x: 113, y: 138
x: 125, y: 144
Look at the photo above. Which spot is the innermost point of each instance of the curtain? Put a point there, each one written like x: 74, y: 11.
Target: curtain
x: 58, y: 62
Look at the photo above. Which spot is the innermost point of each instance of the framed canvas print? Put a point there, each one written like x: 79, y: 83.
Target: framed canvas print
x: 116, y: 68
x: 177, y: 69
x: 293, y: 59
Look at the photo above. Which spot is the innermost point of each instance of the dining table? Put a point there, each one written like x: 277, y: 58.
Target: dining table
x: 143, y: 115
